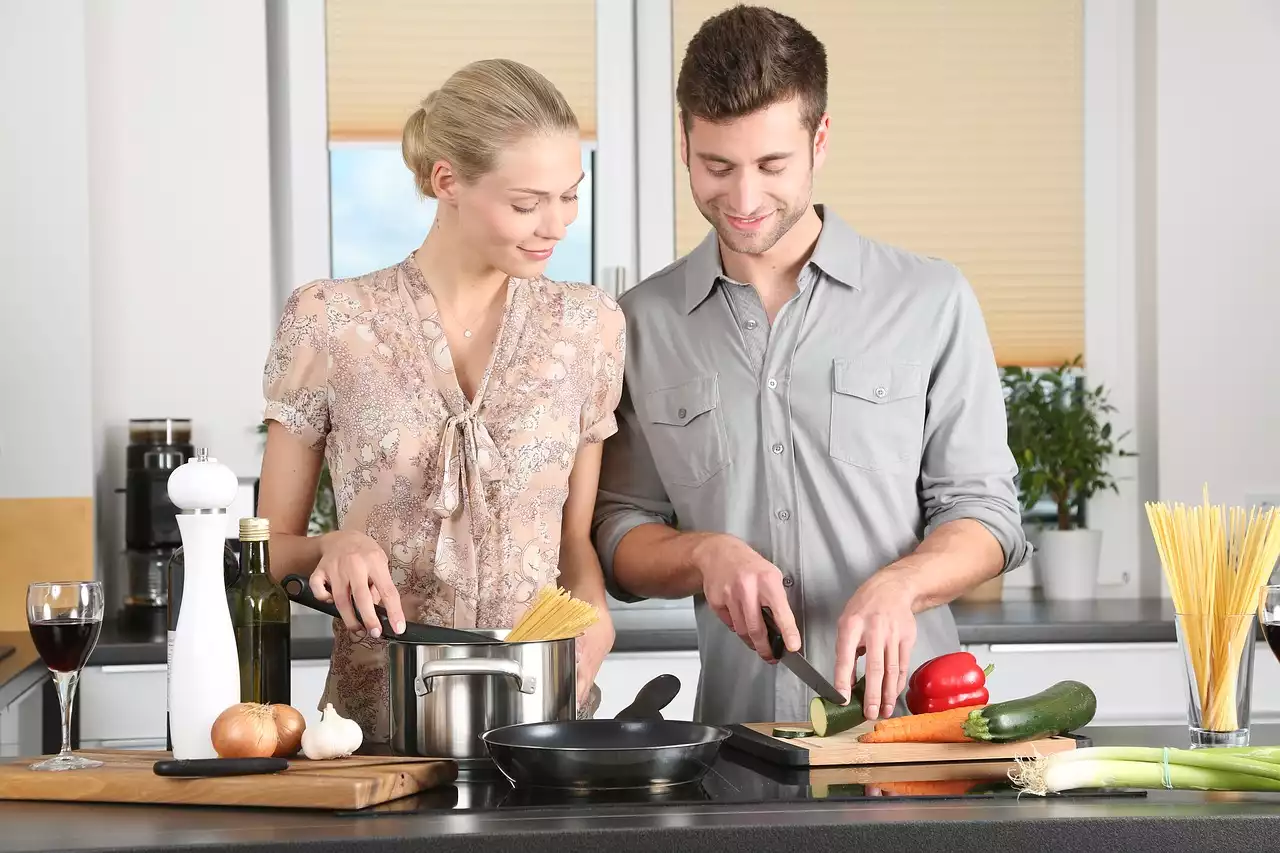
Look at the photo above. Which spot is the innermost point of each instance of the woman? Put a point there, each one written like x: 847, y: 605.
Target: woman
x: 459, y: 397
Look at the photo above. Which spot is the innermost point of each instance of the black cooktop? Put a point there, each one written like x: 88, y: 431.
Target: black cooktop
x: 740, y: 779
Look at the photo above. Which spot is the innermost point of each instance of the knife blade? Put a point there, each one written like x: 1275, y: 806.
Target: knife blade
x: 795, y: 662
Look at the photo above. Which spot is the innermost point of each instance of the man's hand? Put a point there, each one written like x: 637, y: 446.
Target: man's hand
x: 879, y: 621
x: 737, y: 582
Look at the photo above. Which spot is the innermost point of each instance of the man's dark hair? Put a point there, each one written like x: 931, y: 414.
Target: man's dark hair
x: 748, y: 58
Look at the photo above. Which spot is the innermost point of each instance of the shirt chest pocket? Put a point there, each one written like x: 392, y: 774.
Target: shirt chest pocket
x: 877, y: 413
x: 686, y: 432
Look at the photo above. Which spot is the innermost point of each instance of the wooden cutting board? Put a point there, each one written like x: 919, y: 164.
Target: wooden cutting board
x: 844, y: 749
x: 127, y: 777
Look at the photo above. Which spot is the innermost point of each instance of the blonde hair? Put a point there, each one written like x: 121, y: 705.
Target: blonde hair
x: 480, y: 110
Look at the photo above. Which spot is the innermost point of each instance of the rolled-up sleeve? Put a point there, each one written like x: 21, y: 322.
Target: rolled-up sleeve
x: 630, y: 494
x: 968, y: 470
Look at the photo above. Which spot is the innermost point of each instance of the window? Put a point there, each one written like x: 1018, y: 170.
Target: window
x: 383, y: 58
x: 378, y: 217
x: 958, y: 132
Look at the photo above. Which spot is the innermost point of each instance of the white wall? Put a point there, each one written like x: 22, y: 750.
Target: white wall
x: 45, y: 390
x: 180, y: 216
x: 1218, y: 248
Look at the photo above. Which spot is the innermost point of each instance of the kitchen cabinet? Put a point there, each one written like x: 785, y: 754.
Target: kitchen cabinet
x: 20, y: 724
x: 1136, y: 683
x: 623, y: 674
x: 123, y: 707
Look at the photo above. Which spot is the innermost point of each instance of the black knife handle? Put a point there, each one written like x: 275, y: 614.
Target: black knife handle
x: 776, y: 644
x: 205, y: 767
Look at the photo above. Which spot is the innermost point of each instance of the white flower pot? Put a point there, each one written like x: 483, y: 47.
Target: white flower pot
x: 1067, y: 563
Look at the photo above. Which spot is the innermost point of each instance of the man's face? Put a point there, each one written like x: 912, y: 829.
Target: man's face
x: 752, y: 177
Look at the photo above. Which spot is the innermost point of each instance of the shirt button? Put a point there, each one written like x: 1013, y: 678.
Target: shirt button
x: 880, y: 391
x: 680, y: 414
x: 783, y: 515
x: 778, y: 448
x: 751, y: 324
x: 773, y: 383
x: 788, y: 582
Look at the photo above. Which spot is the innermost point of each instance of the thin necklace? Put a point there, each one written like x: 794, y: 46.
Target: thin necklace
x: 466, y: 327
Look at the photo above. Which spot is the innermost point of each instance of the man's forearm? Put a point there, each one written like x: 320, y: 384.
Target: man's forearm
x: 655, y: 561
x: 951, y: 560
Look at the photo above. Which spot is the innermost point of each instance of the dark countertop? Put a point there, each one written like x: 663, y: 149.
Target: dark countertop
x: 140, y: 639
x: 1133, y: 620
x: 1147, y: 821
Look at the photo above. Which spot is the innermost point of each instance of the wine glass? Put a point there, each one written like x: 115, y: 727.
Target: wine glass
x: 1269, y: 617
x: 65, y: 619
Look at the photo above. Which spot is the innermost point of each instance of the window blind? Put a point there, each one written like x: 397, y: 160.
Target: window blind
x: 957, y: 131
x: 385, y: 56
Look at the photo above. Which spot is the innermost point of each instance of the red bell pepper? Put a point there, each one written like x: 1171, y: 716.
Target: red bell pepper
x: 949, y: 681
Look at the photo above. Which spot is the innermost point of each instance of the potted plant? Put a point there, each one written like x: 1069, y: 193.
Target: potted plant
x: 1063, y: 443
x: 324, y: 511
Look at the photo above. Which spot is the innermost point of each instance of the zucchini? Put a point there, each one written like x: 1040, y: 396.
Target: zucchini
x: 1062, y: 708
x: 828, y: 718
x: 792, y: 731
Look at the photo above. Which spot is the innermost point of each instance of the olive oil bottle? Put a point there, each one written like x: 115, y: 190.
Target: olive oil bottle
x: 260, y: 615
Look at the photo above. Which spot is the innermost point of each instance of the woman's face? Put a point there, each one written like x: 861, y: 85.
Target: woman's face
x: 515, y: 215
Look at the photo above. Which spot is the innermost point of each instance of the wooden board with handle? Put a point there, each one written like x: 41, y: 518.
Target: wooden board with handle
x: 127, y: 776
x: 844, y: 749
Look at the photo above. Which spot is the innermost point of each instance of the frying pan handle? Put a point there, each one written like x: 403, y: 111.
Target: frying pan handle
x: 473, y: 666
x: 652, y: 698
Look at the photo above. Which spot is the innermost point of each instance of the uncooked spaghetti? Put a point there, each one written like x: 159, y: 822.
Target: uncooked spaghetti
x: 553, y: 615
x: 1216, y: 561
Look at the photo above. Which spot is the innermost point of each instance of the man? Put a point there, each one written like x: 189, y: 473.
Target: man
x: 812, y: 421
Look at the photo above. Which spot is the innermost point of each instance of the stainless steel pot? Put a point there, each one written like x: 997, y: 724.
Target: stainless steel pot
x: 443, y: 697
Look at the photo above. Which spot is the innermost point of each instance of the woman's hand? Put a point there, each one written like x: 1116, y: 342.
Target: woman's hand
x: 353, y: 567
x: 592, y: 647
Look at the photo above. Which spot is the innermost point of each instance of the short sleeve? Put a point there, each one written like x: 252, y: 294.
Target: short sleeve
x: 599, y: 418
x: 295, y: 379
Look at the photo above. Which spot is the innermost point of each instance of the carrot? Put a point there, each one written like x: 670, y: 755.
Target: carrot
x: 937, y: 727
x: 928, y: 788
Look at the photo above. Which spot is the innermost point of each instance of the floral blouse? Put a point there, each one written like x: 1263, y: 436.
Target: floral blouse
x: 464, y: 497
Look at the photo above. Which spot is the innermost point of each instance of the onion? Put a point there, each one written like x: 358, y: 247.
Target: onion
x: 289, y: 727
x: 245, y: 730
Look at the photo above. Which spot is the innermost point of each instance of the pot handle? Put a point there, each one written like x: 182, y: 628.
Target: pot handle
x: 473, y: 666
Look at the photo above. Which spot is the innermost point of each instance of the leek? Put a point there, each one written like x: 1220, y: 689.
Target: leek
x: 1108, y: 773
x: 1219, y: 769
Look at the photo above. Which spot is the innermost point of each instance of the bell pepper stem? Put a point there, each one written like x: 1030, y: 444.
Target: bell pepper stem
x: 988, y: 668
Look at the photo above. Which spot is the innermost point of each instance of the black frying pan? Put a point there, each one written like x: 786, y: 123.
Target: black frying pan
x: 299, y: 589
x: 636, y: 749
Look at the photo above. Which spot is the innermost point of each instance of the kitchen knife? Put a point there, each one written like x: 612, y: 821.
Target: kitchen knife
x: 191, y: 768
x: 795, y: 662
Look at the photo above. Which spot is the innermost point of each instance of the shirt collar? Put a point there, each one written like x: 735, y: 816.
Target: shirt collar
x: 838, y: 254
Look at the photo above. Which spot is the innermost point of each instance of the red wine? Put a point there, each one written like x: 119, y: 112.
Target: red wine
x: 65, y: 644
x: 1272, y: 633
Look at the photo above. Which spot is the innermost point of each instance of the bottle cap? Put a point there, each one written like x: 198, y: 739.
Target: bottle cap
x: 255, y: 530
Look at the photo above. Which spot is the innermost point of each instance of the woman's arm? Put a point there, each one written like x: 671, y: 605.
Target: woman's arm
x: 286, y: 494
x: 345, y: 566
x: 580, y: 571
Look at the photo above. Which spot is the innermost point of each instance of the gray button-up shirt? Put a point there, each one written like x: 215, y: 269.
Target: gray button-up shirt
x: 832, y: 442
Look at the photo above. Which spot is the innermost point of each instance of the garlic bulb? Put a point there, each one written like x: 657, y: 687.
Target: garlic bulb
x: 332, y: 737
